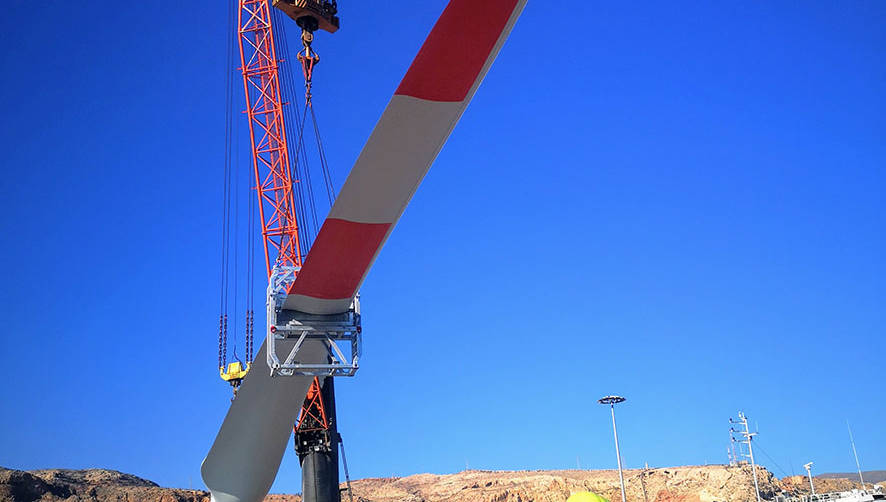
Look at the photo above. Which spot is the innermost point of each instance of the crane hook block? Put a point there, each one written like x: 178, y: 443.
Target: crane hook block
x: 323, y: 11
x: 234, y: 373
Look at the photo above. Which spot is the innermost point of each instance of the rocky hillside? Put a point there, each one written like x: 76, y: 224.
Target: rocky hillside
x: 93, y: 485
x: 677, y: 484
x: 689, y: 484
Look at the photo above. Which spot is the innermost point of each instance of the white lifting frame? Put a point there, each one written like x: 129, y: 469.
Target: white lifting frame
x: 334, y: 330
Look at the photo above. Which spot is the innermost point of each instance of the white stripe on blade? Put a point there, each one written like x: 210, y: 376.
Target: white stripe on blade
x: 313, y: 305
x: 396, y: 157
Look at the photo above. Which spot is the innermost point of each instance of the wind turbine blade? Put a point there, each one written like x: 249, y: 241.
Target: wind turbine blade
x: 411, y: 131
x: 244, y: 459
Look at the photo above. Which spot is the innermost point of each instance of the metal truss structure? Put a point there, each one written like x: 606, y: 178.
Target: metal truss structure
x: 334, y: 330
x: 267, y: 132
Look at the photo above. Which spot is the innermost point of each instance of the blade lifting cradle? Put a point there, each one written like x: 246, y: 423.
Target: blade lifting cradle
x: 286, y: 325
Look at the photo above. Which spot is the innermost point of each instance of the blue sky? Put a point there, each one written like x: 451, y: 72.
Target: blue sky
x: 679, y: 203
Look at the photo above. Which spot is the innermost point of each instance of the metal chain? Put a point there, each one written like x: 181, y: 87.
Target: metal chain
x: 221, y: 362
x: 225, y: 343
x: 250, y: 329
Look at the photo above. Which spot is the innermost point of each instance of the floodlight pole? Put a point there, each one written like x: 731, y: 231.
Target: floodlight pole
x: 612, y: 401
x: 808, y: 468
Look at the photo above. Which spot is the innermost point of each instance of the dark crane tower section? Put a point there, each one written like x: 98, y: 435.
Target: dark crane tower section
x: 316, y: 443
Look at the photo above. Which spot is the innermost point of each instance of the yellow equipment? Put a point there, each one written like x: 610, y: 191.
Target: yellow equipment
x: 235, y: 372
x: 586, y: 497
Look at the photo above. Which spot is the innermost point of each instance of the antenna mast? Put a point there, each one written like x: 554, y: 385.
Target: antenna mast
x: 730, y: 452
x: 745, y: 436
x: 857, y: 465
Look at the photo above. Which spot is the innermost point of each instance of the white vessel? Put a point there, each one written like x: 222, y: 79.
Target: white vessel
x: 864, y: 495
x: 848, y: 496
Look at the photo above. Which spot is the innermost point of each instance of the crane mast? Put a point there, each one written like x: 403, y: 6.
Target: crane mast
x: 267, y: 133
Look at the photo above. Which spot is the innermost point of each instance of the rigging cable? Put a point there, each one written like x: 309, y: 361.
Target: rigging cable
x: 304, y: 201
x: 307, y: 170
x: 238, y: 174
x: 250, y: 279
x: 305, y: 204
x: 242, y: 176
x: 770, y: 458
x: 308, y: 60
x: 226, y: 198
x: 324, y: 166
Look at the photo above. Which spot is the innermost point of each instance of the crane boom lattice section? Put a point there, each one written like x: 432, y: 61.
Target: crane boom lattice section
x: 270, y: 155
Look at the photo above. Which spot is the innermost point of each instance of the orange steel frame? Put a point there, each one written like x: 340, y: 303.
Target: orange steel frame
x: 313, y: 412
x: 267, y: 132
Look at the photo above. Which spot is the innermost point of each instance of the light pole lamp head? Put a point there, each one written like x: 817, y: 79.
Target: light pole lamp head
x: 611, y: 400
x: 808, y: 466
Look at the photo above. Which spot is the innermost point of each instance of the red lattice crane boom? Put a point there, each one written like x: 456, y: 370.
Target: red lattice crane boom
x: 267, y: 132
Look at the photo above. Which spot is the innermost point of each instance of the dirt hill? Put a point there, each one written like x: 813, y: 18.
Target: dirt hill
x: 689, y: 484
x: 716, y: 483
x: 92, y: 485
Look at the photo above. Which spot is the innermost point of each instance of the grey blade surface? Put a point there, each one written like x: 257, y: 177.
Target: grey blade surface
x: 246, y: 455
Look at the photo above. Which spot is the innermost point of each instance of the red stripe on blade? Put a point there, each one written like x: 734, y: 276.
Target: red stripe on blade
x: 456, y: 50
x: 339, y: 258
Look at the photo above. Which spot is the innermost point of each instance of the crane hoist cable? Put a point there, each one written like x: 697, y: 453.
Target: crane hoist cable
x: 250, y: 281
x: 324, y: 165
x: 305, y: 202
x: 234, y: 372
x: 309, y: 58
x: 226, y: 199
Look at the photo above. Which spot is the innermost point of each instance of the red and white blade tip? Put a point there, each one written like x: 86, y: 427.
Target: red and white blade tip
x: 425, y: 108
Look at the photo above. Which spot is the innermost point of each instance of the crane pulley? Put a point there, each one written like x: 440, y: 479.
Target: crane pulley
x: 310, y: 16
x: 308, y: 59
